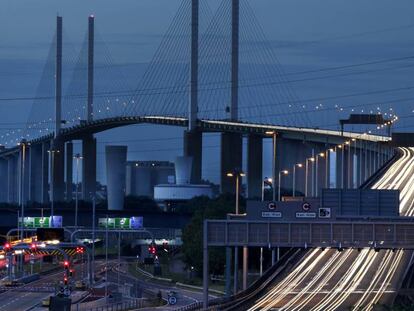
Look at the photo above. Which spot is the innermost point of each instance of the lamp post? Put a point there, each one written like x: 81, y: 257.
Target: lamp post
x: 23, y: 144
x: 300, y: 165
x: 327, y: 168
x: 77, y: 157
x: 266, y: 181
x: 284, y: 172
x: 353, y: 184
x: 306, y: 174
x: 273, y: 134
x: 348, y: 171
x: 320, y: 155
x: 342, y: 163
x: 237, y: 174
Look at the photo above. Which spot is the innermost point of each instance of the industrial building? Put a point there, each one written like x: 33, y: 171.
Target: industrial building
x: 143, y: 176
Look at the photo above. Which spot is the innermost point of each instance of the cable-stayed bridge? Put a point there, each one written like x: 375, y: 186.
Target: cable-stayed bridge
x: 212, y: 72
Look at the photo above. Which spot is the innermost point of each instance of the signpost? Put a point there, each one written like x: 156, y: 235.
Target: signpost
x: 121, y: 223
x: 41, y: 222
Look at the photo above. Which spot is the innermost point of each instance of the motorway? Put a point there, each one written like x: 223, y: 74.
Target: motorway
x: 327, y: 280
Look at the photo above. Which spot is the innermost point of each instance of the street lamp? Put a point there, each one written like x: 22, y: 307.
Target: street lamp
x: 348, y: 143
x: 266, y: 181
x: 77, y: 157
x: 273, y: 134
x: 300, y: 165
x: 238, y: 174
x: 327, y: 167
x: 23, y: 144
x: 320, y: 155
x: 306, y: 174
x: 284, y: 172
x: 342, y: 165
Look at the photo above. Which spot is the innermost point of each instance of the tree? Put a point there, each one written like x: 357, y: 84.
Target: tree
x: 193, y: 233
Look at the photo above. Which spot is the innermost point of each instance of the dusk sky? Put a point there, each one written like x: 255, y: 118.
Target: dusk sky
x: 305, y: 35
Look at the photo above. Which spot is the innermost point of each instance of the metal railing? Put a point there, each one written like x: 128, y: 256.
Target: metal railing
x: 119, y: 306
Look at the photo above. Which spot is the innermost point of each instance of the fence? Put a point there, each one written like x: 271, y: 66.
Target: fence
x: 119, y: 306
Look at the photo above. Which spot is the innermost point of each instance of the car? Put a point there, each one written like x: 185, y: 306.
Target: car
x: 80, y: 285
x: 46, y: 302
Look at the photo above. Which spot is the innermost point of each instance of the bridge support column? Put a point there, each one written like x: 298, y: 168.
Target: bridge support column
x: 228, y: 271
x: 254, y: 166
x: 44, y: 190
x: 291, y: 152
x: 69, y: 171
x: 245, y: 266
x: 4, y: 172
x: 58, y: 170
x: 24, y: 175
x: 116, y: 157
x: 359, y: 166
x: 193, y: 147
x: 231, y: 159
x: 12, y: 167
x: 236, y: 271
x: 89, y: 167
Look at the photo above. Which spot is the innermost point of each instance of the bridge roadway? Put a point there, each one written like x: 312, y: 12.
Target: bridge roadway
x: 96, y: 126
x: 348, y: 280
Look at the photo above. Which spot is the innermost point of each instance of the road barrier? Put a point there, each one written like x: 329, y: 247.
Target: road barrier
x: 119, y: 306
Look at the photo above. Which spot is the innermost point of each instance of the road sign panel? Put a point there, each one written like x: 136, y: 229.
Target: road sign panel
x: 172, y: 300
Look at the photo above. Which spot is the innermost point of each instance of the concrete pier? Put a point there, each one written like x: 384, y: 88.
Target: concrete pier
x: 254, y: 166
x: 116, y: 157
x: 88, y: 167
x: 193, y: 147
x: 231, y: 159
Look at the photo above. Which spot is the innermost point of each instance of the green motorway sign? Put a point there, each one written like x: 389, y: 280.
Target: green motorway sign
x: 121, y: 223
x: 41, y: 222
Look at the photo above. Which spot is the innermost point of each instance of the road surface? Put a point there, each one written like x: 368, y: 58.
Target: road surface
x: 349, y: 280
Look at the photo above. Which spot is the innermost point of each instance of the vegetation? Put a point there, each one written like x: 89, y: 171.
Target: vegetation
x: 205, y: 208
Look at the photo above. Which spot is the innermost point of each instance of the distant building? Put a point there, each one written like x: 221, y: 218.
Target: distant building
x: 143, y: 176
x: 181, y: 190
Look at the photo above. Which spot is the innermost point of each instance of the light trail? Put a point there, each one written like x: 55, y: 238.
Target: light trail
x: 379, y: 269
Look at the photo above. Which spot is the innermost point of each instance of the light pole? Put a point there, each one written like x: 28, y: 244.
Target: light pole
x: 327, y: 167
x: 266, y: 181
x: 237, y: 174
x: 93, y: 237
x: 342, y: 163
x: 300, y: 165
x: 273, y: 134
x: 306, y: 174
x: 353, y: 184
x: 77, y: 157
x: 284, y: 172
x: 348, y: 171
x: 320, y: 155
x: 23, y: 144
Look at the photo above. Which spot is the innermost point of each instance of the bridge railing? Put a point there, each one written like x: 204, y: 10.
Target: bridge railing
x: 349, y: 234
